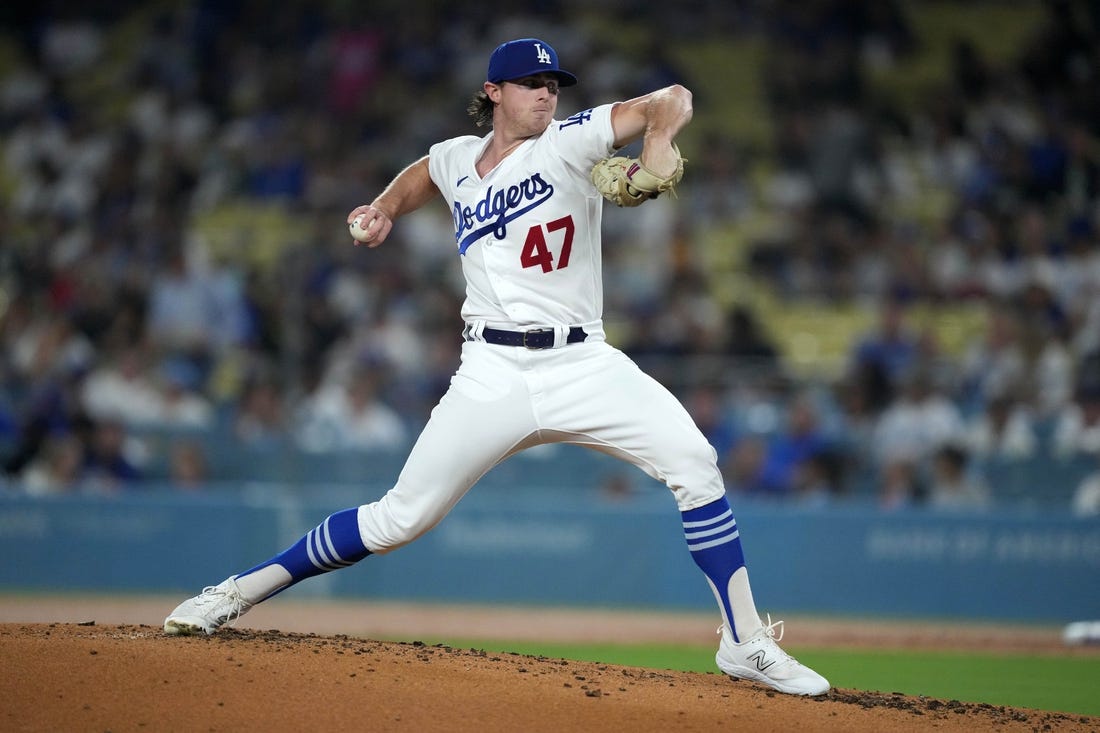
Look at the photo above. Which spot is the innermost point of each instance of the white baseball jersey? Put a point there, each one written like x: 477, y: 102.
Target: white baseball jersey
x: 528, y: 232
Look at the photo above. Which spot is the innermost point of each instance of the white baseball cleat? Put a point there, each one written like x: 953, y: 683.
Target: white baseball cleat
x: 1082, y: 632
x: 760, y: 659
x: 208, y: 611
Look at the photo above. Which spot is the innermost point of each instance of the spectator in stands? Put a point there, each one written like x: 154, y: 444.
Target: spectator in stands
x: 862, y: 394
x: 820, y: 480
x: 708, y: 409
x: 994, y: 364
x: 50, y: 407
x: 1075, y: 281
x: 952, y: 486
x: 187, y: 467
x: 917, y: 424
x: 1052, y: 370
x: 860, y: 399
x: 730, y: 194
x: 1077, y: 430
x: 57, y: 469
x: 741, y: 465
x: 357, y: 60
x: 1086, y: 498
x: 260, y: 419
x: 1005, y: 429
x: 351, y: 416
x: 185, y: 314
x: 746, y: 341
x: 49, y: 344
x: 893, y: 346
x: 1081, y: 184
x: 790, y: 452
x: 900, y: 486
x: 183, y: 405
x: 124, y: 388
x: 107, y: 466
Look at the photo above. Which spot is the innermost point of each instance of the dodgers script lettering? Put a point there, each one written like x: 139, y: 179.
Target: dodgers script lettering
x: 493, y: 212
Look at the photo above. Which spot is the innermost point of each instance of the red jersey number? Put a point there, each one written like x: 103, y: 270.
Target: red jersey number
x: 536, y: 252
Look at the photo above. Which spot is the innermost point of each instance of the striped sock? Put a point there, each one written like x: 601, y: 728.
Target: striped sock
x: 715, y: 546
x: 334, y: 544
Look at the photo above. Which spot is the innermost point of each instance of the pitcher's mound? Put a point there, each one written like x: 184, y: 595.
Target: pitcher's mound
x: 134, y: 678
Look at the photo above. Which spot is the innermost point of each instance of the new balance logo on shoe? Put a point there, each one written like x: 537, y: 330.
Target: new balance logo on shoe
x: 761, y: 661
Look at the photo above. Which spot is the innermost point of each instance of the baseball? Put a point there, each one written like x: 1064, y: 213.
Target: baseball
x: 358, y: 233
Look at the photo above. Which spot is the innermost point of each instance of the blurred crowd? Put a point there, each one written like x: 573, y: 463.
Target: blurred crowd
x: 175, y: 178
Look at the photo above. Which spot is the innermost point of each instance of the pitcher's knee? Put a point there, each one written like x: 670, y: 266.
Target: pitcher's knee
x: 695, y: 479
x: 387, y: 525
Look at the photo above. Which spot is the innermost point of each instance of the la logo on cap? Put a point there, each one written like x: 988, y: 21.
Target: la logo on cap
x: 543, y: 54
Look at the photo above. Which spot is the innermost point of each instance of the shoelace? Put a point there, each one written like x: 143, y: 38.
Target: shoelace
x: 769, y: 629
x: 212, y: 594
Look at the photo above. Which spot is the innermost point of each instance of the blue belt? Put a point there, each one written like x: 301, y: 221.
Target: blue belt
x: 538, y: 338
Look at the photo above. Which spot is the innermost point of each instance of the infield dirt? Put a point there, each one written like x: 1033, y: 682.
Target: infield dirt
x: 82, y: 674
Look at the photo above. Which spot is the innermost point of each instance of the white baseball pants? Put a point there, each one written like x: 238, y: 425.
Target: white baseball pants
x: 504, y: 399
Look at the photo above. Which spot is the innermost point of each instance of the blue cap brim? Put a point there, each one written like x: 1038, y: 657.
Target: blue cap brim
x: 565, y: 79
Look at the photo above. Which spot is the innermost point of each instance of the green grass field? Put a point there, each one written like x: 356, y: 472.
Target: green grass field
x: 1068, y: 685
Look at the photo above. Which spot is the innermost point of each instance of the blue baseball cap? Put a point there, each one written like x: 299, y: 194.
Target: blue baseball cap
x: 526, y: 57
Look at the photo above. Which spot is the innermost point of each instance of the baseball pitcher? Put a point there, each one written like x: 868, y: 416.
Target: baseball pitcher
x: 527, y: 200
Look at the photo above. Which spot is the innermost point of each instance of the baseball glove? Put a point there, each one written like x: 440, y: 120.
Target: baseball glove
x: 626, y: 182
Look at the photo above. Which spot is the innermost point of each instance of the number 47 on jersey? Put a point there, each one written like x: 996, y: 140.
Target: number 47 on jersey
x: 540, y: 238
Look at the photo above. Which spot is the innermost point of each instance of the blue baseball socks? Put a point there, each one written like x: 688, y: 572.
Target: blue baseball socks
x: 715, y: 545
x: 335, y: 543
x: 710, y: 531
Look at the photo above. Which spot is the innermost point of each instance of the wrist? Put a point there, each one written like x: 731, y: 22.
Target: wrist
x: 385, y: 206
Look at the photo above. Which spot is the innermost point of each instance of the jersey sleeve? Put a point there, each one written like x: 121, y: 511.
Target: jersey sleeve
x: 442, y: 164
x: 585, y: 138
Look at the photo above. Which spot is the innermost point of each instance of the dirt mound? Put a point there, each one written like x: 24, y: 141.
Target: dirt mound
x: 132, y: 677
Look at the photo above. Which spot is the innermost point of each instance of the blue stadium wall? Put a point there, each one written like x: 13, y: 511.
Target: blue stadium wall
x: 568, y: 548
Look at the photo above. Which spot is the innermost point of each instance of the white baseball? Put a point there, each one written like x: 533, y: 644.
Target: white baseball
x: 358, y: 233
